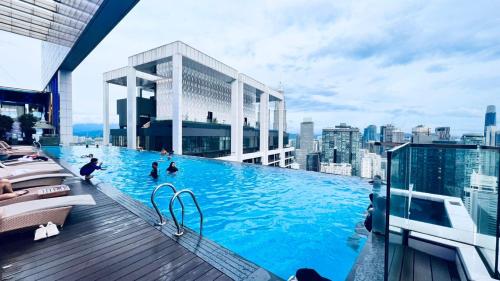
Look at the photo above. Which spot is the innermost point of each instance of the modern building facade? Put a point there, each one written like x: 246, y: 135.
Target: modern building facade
x: 341, y: 169
x: 69, y: 31
x: 370, y: 164
x: 443, y: 133
x: 341, y: 145
x: 181, y: 99
x: 472, y: 138
x: 313, y: 162
x: 307, y: 135
x: 369, y: 134
x: 490, y: 117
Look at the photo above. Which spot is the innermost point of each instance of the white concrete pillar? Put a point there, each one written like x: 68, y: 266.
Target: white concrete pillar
x: 237, y: 120
x: 264, y: 126
x: 66, y: 106
x: 105, y: 113
x: 131, y: 108
x: 177, y: 103
x: 281, y: 129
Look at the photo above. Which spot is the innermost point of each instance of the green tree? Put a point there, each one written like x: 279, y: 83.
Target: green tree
x: 5, y: 125
x: 27, y: 122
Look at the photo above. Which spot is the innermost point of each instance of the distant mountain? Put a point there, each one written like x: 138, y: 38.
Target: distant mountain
x: 90, y: 129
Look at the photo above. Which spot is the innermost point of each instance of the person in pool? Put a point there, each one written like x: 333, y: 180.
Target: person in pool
x: 172, y: 169
x: 89, y: 168
x: 88, y: 156
x: 163, y: 152
x: 154, y: 170
x: 171, y: 153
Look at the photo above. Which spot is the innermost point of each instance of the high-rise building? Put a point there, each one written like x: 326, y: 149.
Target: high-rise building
x: 341, y: 145
x: 472, y: 138
x: 490, y: 136
x: 480, y: 201
x: 341, y: 169
x: 301, y: 158
x: 370, y: 164
x: 390, y: 134
x: 398, y: 136
x: 443, y: 133
x: 422, y: 134
x: 313, y: 162
x: 317, y: 145
x: 369, y: 134
x: 490, y: 118
x: 307, y: 135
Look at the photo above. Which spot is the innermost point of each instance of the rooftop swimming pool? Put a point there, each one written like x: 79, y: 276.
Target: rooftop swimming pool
x: 277, y: 218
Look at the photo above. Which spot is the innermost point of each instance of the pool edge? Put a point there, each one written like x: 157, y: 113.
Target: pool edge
x: 213, y: 253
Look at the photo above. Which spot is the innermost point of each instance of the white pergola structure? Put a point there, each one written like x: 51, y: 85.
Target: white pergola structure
x: 142, y: 67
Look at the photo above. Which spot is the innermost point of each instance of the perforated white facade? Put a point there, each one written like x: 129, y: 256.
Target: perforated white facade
x: 192, y: 86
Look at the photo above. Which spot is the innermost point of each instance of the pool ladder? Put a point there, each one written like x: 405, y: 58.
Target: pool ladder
x: 180, y: 228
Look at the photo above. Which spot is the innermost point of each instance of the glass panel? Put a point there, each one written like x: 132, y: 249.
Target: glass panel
x: 447, y: 192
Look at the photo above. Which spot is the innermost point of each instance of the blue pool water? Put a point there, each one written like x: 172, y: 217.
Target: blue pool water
x: 278, y: 218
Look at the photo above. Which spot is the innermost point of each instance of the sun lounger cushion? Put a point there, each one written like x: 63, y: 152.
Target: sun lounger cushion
x: 44, y: 204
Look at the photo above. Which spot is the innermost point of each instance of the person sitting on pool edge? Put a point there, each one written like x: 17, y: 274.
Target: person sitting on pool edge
x: 154, y: 170
x: 89, y: 168
x: 172, y: 169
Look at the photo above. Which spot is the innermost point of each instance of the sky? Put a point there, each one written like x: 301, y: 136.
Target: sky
x: 435, y: 63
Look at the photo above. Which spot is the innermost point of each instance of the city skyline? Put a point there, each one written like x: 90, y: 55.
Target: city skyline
x: 358, y: 74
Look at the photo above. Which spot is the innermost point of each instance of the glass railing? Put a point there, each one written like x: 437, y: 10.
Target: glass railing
x: 444, y: 194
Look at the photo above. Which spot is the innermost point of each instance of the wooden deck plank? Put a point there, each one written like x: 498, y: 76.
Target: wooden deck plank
x: 422, y: 267
x: 407, y: 269
x: 122, y: 261
x: 154, y: 270
x: 440, y: 269
x: 396, y: 264
x: 97, y: 242
x: 210, y: 275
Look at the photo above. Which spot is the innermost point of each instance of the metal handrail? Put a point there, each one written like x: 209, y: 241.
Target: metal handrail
x: 162, y: 220
x: 179, y: 230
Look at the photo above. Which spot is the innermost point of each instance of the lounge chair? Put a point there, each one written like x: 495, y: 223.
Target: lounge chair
x: 35, y: 193
x: 38, y: 212
x: 23, y: 148
x: 28, y: 169
x: 39, y: 180
x: 25, y: 160
x: 17, y: 147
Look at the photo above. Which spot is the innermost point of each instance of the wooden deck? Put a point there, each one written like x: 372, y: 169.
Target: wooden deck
x: 109, y: 241
x: 407, y: 264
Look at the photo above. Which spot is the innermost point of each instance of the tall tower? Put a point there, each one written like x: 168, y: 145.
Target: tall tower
x: 490, y: 122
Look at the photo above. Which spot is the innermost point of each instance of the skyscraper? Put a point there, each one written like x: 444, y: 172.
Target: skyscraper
x: 341, y: 145
x: 422, y: 134
x: 490, y: 118
x: 313, y: 162
x: 471, y: 138
x: 307, y: 135
x: 490, y: 136
x: 387, y: 134
x: 369, y: 134
x: 443, y: 133
x: 306, y: 142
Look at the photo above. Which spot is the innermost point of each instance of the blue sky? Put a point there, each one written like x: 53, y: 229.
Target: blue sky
x: 368, y: 62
